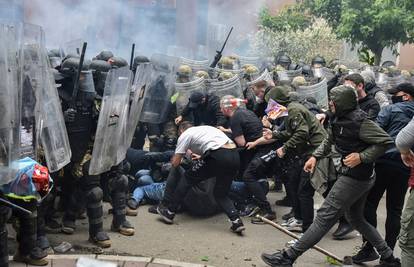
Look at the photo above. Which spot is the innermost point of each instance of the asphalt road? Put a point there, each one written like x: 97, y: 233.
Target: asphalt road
x: 209, y: 241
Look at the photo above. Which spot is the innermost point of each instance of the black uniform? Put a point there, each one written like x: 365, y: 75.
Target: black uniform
x: 79, y: 186
x: 245, y: 123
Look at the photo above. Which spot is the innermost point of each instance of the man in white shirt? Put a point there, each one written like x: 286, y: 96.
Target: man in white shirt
x: 213, y: 155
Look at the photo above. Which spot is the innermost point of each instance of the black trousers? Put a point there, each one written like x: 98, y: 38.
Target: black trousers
x: 255, y: 171
x: 221, y: 163
x: 393, y: 179
x: 301, y: 190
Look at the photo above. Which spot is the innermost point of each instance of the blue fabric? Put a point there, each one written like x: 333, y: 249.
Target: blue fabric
x: 154, y: 192
x: 143, y: 178
x: 394, y: 117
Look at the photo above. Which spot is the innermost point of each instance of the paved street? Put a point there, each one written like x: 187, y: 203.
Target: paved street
x: 206, y: 241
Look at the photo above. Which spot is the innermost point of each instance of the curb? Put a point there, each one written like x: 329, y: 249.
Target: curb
x: 122, y: 259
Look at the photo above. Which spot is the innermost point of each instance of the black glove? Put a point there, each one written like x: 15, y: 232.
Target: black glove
x: 69, y: 115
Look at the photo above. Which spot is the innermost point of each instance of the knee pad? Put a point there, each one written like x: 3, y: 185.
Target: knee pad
x: 119, y: 183
x: 94, y: 195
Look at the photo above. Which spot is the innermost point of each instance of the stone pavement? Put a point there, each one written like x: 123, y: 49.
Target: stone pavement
x: 121, y: 261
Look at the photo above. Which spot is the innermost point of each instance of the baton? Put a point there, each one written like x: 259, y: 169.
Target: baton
x: 14, y: 206
x: 289, y: 233
x: 131, y: 62
x: 78, y: 73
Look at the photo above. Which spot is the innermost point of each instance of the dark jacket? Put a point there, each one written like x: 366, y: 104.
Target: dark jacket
x: 372, y: 89
x: 370, y: 106
x: 393, y: 118
x: 208, y: 113
x: 303, y: 133
x: 352, y: 132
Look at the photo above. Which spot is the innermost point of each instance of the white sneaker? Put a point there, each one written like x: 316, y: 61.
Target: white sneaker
x: 292, y: 242
x: 289, y: 221
x: 294, y: 225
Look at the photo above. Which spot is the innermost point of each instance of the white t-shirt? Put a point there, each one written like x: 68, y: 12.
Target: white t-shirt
x: 201, y: 139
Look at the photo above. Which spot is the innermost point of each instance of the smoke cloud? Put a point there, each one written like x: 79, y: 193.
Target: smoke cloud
x: 155, y: 26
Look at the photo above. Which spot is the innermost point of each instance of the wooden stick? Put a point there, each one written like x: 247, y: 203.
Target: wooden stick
x: 289, y: 233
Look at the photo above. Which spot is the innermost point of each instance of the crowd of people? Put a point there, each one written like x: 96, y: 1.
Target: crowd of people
x: 220, y: 140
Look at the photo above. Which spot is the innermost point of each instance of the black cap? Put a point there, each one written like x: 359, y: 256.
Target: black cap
x: 195, y: 99
x: 407, y: 88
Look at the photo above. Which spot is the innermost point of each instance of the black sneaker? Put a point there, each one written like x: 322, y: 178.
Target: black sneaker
x: 237, y: 226
x: 153, y: 210
x: 166, y: 214
x: 344, y: 228
x: 132, y: 203
x: 267, y: 215
x: 389, y: 262
x: 365, y: 254
x: 278, y: 259
x: 285, y: 202
x: 289, y: 215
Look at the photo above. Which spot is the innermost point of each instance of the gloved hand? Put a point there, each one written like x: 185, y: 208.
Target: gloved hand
x: 69, y: 115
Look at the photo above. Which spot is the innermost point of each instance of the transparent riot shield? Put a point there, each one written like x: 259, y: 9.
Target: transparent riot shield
x: 323, y: 72
x: 293, y: 73
x: 394, y: 81
x: 319, y: 91
x: 283, y: 76
x: 244, y: 60
x: 108, y: 148
x: 53, y: 135
x: 195, y: 65
x: 9, y: 103
x: 142, y: 78
x: 231, y: 86
x: 381, y: 80
x: 184, y: 90
x: 72, y: 47
x: 41, y: 110
x: 158, y: 92
x: 215, y: 72
x: 264, y: 76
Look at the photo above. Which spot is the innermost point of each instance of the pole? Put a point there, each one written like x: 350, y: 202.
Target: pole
x: 289, y: 233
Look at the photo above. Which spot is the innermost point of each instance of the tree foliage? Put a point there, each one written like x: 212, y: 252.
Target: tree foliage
x: 301, y: 44
x: 374, y: 24
x: 293, y: 17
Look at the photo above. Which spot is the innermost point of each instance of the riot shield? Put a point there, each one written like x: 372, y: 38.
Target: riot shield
x: 215, y: 72
x: 323, y: 72
x: 158, y: 91
x: 264, y: 76
x: 108, y: 148
x: 9, y: 103
x: 244, y: 60
x: 195, y: 65
x: 283, y: 76
x: 381, y: 80
x: 142, y: 77
x: 394, y: 81
x: 72, y: 47
x: 319, y: 91
x: 39, y: 88
x: 231, y: 86
x: 184, y: 90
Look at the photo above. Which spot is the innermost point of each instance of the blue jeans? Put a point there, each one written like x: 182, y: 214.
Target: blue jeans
x: 143, y: 178
x: 146, y: 188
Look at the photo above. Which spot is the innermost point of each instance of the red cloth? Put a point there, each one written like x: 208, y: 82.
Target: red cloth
x: 411, y: 179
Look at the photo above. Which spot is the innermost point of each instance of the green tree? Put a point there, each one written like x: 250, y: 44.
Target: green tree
x: 373, y: 24
x: 293, y: 17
